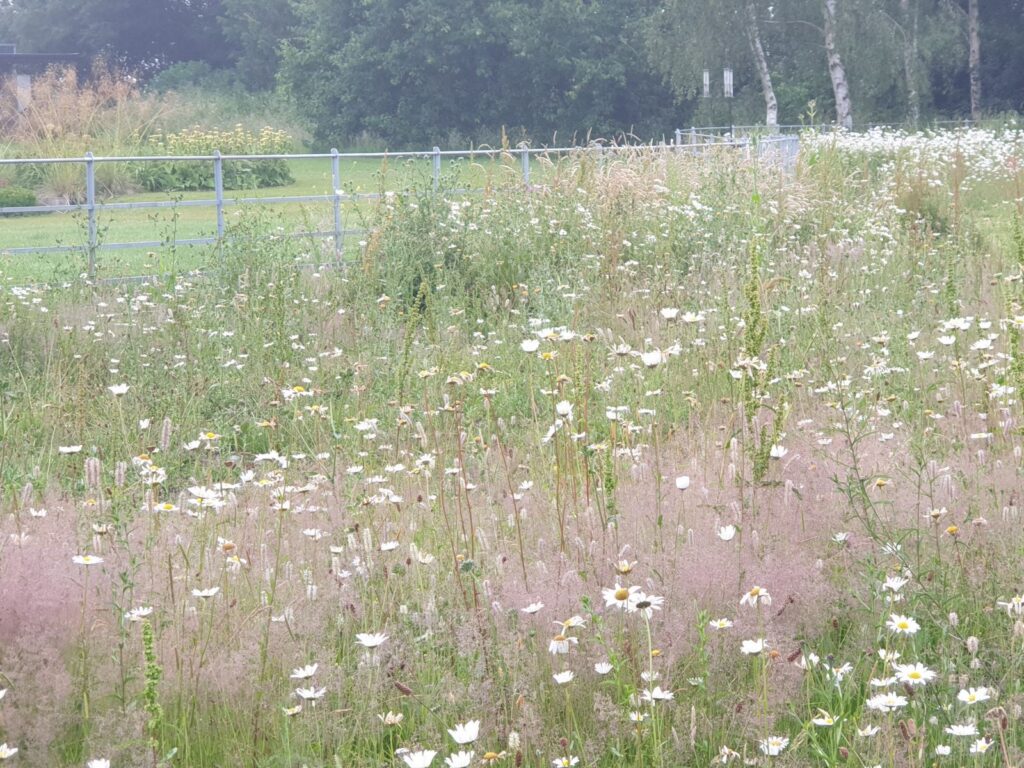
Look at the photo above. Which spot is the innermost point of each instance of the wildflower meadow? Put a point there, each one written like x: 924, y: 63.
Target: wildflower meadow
x: 671, y: 460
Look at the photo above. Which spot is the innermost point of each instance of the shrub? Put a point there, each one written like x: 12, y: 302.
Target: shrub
x: 16, y: 197
x: 238, y: 174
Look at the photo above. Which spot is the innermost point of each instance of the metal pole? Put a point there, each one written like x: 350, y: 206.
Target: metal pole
x: 218, y: 188
x: 525, y: 158
x: 336, y: 177
x: 437, y: 168
x: 90, y: 202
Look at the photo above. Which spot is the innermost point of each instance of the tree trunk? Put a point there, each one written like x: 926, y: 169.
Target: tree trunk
x: 761, y: 62
x: 909, y: 22
x: 841, y: 89
x: 974, y: 61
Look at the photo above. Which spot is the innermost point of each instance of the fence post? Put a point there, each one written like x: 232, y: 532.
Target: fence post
x: 90, y: 203
x: 218, y: 188
x: 679, y: 138
x: 336, y: 179
x: 693, y: 140
x: 525, y: 162
x: 437, y: 168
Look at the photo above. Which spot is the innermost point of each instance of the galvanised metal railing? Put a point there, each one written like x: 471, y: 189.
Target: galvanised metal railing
x: 695, y: 140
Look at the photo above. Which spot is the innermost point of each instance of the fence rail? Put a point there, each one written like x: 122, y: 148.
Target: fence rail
x: 781, y: 146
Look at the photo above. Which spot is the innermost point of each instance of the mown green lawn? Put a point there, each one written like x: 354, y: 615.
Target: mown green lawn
x: 183, y: 222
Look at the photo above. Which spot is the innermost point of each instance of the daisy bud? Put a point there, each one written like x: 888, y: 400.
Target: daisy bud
x: 972, y: 645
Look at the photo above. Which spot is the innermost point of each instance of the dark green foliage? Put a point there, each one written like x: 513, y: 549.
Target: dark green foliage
x: 412, y: 73
x: 17, y: 197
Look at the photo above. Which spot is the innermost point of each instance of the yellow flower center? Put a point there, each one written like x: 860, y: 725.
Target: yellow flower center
x: 621, y: 594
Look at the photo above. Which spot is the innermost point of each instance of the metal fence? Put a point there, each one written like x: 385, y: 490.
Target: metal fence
x: 781, y: 148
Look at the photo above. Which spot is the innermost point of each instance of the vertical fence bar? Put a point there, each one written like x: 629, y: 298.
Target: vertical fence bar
x: 679, y: 138
x: 437, y: 168
x: 90, y: 204
x: 525, y: 162
x: 336, y: 180
x: 218, y: 189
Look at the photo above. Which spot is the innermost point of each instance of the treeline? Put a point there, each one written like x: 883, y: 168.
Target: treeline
x: 410, y: 72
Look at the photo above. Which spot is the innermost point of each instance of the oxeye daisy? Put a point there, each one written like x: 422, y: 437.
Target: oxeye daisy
x: 752, y: 647
x: 886, y: 702
x: 465, y: 733
x: 973, y: 695
x: 459, y: 759
x: 656, y: 694
x: 618, y: 596
x: 421, y: 759
x: 310, y: 694
x: 720, y: 623
x: 756, y: 596
x: 980, y: 747
x: 303, y: 673
x: 565, y: 762
x: 640, y: 602
x: 564, y: 677
x: 902, y: 625
x: 371, y: 639
x: 561, y: 644
x: 824, y: 719
x: 773, y: 745
x: 86, y: 560
x: 914, y: 674
x: 962, y: 729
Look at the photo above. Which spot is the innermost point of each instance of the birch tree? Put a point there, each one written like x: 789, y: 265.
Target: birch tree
x: 836, y: 70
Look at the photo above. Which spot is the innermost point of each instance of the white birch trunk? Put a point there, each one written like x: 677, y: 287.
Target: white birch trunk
x: 836, y: 71
x: 974, y: 60
x: 909, y: 28
x: 761, y: 62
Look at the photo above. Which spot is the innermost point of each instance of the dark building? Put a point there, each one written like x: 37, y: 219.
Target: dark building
x: 17, y: 69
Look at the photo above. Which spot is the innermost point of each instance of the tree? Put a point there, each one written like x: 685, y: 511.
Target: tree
x: 409, y: 71
x: 256, y: 29
x: 167, y: 31
x: 974, y: 58
x: 836, y: 71
x: 687, y: 36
